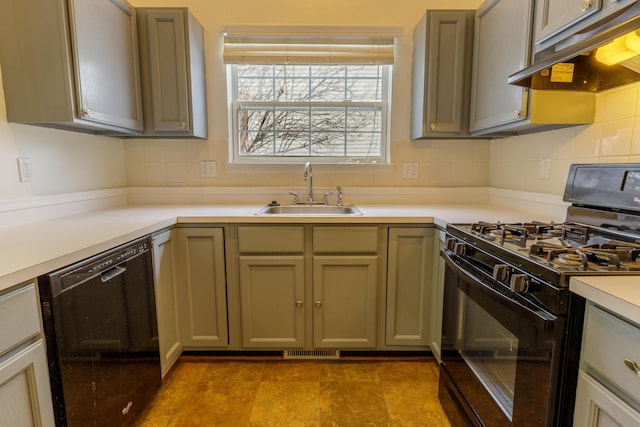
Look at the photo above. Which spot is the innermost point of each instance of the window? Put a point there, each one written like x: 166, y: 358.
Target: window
x: 308, y: 100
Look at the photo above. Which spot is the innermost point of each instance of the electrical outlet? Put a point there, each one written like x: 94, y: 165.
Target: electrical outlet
x: 25, y: 169
x: 208, y: 169
x: 545, y: 166
x: 410, y: 170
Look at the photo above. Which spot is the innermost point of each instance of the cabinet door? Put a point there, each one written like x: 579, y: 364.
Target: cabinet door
x: 437, y: 295
x: 344, y: 301
x: 442, y: 52
x: 596, y: 406
x: 168, y: 70
x: 202, y: 292
x: 553, y: 16
x: 409, y: 286
x: 272, y: 301
x: 25, y: 394
x: 501, y: 47
x: 106, y: 62
x: 164, y: 261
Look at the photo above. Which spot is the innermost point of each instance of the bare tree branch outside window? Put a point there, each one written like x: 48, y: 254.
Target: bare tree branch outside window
x: 309, y: 110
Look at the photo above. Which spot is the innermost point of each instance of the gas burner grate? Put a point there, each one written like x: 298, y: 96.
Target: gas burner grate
x: 603, y: 257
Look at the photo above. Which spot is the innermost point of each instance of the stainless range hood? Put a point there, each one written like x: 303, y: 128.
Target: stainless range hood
x: 575, y: 57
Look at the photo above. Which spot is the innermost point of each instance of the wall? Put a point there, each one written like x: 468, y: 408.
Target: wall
x: 62, y: 161
x: 614, y: 137
x: 176, y: 162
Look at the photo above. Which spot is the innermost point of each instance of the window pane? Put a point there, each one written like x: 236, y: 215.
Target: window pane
x: 292, y: 119
x: 256, y: 143
x: 255, y: 89
x: 255, y: 119
x: 364, y: 90
x: 327, y: 119
x: 327, y: 144
x: 359, y: 120
x: 326, y: 89
x: 363, y: 144
x: 292, y: 144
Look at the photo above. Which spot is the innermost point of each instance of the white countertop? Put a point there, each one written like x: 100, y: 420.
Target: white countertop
x: 36, y: 248
x: 619, y: 294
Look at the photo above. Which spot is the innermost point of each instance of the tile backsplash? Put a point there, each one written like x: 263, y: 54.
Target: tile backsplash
x: 614, y: 137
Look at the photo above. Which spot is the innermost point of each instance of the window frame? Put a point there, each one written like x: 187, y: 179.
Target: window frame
x: 234, y: 106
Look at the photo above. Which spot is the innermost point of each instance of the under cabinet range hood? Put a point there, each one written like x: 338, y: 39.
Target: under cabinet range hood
x: 602, y: 56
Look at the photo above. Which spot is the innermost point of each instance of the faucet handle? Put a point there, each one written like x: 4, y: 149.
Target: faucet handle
x: 325, y: 199
x: 295, y: 197
x: 339, y: 195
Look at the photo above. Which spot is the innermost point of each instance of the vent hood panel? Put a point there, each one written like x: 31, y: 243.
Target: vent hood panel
x: 575, y: 58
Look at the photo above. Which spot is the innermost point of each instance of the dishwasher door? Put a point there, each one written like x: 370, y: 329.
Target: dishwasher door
x: 100, y: 325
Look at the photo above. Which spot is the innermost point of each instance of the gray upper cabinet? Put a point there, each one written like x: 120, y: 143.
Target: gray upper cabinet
x: 556, y: 20
x: 552, y: 16
x: 172, y: 70
x: 501, y: 47
x: 71, y: 64
x: 441, y: 79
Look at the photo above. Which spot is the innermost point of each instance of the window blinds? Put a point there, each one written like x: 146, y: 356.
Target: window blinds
x: 310, y: 45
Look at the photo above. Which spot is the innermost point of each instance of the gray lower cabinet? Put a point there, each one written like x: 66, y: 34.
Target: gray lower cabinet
x: 608, y: 392
x: 344, y: 301
x: 25, y: 394
x: 201, y: 288
x: 409, y: 295
x: 172, y: 72
x: 437, y: 292
x: 166, y: 289
x: 304, y: 286
x: 71, y: 64
x: 272, y: 302
x: 345, y: 286
x: 441, y: 77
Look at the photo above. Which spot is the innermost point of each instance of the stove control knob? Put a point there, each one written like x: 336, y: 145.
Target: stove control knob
x: 500, y: 272
x: 519, y: 283
x: 450, y: 243
x: 460, y: 249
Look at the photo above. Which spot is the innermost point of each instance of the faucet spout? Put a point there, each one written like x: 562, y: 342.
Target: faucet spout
x: 308, y: 176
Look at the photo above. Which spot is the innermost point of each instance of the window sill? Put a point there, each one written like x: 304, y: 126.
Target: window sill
x: 384, y: 168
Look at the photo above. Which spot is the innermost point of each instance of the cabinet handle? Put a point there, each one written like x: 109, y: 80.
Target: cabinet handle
x: 433, y: 126
x: 318, y: 304
x: 633, y: 366
x: 586, y: 5
x: 183, y: 125
x: 299, y: 304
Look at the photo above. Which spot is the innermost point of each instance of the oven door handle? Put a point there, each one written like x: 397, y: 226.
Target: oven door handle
x: 540, y: 319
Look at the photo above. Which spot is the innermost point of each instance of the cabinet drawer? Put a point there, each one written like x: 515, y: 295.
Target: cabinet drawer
x: 608, y: 341
x: 19, y: 317
x: 345, y: 239
x: 271, y: 239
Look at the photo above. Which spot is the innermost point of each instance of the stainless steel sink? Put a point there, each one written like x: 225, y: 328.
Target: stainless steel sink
x: 310, y: 210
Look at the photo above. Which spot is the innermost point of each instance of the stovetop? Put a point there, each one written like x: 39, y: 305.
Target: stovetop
x: 564, y: 247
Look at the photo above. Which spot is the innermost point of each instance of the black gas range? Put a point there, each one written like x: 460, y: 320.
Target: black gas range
x: 511, y: 329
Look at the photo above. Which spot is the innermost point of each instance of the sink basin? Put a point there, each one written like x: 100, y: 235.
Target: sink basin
x: 310, y: 210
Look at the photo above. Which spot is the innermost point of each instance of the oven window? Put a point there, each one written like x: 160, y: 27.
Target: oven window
x: 491, y: 351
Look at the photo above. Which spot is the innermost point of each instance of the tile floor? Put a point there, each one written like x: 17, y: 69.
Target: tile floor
x: 209, y: 391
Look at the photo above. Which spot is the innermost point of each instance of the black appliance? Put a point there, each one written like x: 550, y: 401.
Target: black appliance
x: 511, y: 328
x: 102, y: 344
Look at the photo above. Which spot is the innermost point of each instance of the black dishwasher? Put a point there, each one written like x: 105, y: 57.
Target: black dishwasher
x: 100, y: 326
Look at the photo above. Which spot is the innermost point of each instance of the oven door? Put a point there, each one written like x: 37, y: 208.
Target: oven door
x: 500, y: 356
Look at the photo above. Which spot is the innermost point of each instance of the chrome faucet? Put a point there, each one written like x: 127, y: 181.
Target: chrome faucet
x: 308, y: 175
